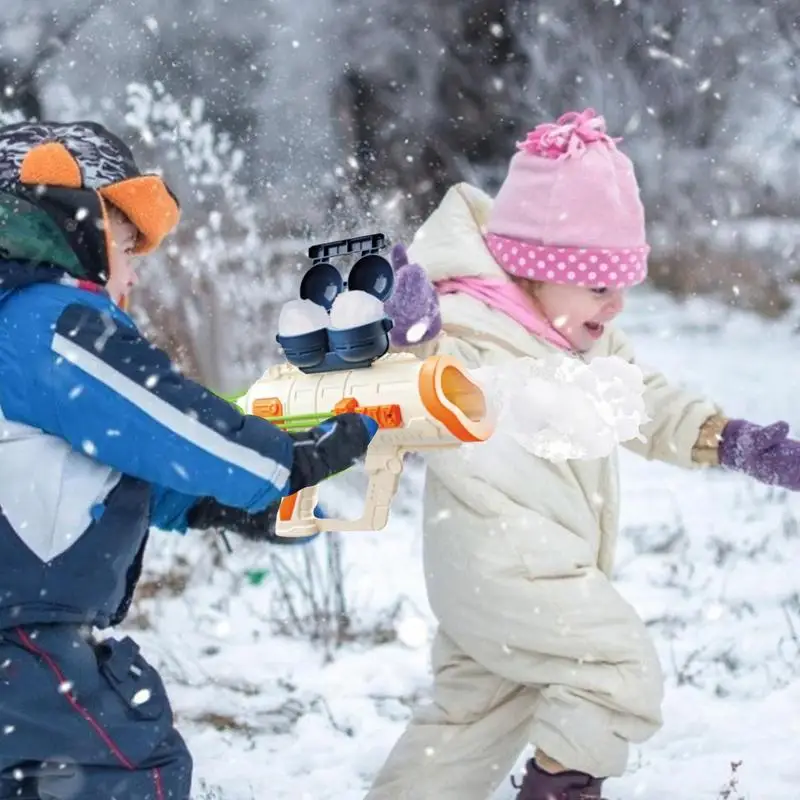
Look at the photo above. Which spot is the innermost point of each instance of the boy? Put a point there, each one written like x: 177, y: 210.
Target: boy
x: 101, y: 438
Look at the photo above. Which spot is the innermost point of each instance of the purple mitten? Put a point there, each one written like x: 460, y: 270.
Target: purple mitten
x: 414, y: 305
x: 763, y: 453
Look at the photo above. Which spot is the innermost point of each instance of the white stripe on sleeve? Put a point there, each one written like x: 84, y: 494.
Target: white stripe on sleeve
x: 173, y: 419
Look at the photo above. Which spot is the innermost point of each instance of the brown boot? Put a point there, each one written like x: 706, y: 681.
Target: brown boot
x: 540, y: 785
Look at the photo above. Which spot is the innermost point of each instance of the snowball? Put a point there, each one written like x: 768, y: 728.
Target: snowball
x: 560, y: 408
x: 301, y: 316
x: 351, y: 309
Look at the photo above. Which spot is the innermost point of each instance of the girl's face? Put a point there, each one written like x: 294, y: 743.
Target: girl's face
x: 122, y: 277
x: 578, y: 313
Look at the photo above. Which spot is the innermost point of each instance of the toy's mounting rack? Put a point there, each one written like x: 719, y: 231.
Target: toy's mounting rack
x: 331, y: 349
x: 360, y: 245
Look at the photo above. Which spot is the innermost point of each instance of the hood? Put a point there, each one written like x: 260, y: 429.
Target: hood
x: 450, y: 244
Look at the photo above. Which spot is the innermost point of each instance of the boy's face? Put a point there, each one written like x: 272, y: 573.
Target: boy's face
x: 122, y: 276
x: 579, y: 313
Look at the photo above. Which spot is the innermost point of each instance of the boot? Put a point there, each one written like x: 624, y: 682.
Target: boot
x: 540, y: 785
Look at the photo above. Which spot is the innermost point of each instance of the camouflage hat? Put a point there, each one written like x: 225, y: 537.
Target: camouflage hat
x: 76, y: 171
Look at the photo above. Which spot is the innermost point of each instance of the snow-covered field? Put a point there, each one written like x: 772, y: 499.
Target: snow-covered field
x: 710, y: 560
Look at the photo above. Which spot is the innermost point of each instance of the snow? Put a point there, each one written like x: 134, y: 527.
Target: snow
x: 301, y: 316
x: 349, y: 310
x: 708, y: 559
x: 353, y: 308
x: 560, y: 408
x: 417, y: 331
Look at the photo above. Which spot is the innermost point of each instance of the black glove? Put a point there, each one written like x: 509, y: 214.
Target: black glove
x: 331, y: 447
x: 323, y: 451
x: 208, y: 513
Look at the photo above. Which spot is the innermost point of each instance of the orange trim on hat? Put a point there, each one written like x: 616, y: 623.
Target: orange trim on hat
x: 51, y: 164
x: 147, y: 203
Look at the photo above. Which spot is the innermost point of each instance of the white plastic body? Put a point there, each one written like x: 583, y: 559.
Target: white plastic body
x: 391, y: 380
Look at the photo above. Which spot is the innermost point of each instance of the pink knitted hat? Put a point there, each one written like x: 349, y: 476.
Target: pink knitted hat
x: 569, y: 209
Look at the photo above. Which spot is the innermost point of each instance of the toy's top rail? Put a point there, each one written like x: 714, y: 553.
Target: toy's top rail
x: 372, y: 243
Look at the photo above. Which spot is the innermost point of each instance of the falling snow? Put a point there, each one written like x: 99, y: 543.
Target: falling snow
x: 290, y: 121
x: 703, y: 557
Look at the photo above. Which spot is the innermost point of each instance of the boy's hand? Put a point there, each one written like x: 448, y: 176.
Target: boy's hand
x: 207, y: 513
x: 331, y: 447
x: 413, y: 306
x: 763, y: 453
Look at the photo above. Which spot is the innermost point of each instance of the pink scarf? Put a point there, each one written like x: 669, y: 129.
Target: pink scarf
x: 506, y: 296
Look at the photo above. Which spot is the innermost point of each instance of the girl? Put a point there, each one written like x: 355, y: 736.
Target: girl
x: 534, y: 644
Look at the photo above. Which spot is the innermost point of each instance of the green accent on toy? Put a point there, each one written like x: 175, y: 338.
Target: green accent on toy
x: 256, y: 576
x: 296, y: 423
x: 299, y: 422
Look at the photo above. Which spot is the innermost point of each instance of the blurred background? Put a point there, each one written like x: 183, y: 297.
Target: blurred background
x: 284, y: 122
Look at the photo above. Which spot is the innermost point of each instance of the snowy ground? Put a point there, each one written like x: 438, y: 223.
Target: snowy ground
x: 709, y: 559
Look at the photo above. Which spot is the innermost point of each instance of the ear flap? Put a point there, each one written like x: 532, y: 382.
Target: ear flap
x: 86, y: 234
x: 148, y: 203
x: 51, y: 164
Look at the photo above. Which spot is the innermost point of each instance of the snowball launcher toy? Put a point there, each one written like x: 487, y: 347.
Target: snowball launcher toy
x: 335, y: 368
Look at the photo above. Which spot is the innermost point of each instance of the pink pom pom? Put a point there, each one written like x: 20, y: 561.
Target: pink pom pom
x: 570, y: 134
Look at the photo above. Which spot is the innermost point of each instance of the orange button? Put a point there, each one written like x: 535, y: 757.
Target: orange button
x: 268, y: 407
x: 387, y: 416
x: 347, y: 405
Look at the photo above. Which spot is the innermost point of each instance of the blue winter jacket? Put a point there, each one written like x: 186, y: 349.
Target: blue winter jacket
x: 100, y: 439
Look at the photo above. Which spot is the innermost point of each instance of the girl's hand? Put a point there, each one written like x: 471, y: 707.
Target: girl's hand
x: 763, y: 453
x: 414, y: 305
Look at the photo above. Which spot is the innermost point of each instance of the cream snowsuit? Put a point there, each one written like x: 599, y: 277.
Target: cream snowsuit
x: 534, y: 643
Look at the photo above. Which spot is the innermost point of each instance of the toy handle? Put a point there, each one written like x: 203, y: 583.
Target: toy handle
x: 384, y: 467
x: 296, y: 514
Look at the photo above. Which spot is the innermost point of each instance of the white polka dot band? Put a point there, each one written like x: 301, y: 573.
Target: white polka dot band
x: 614, y: 267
